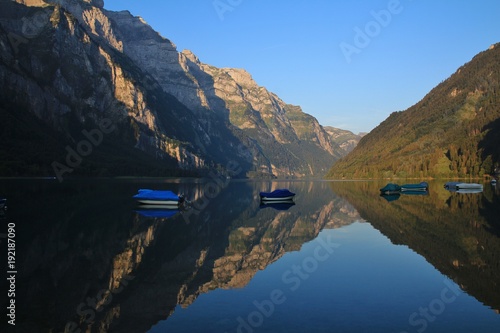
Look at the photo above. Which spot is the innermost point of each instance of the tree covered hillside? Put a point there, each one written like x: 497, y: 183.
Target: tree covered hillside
x: 454, y: 131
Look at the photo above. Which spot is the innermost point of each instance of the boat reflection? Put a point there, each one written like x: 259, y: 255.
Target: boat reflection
x: 277, y: 205
x: 158, y: 211
x: 395, y: 196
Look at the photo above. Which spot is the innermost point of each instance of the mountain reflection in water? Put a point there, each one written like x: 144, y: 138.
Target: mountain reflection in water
x: 89, y: 260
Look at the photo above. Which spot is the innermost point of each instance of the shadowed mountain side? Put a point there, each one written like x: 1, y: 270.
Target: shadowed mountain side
x: 73, y: 64
x: 66, y: 78
x: 443, y: 227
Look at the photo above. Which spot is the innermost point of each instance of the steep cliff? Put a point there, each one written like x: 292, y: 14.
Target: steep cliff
x: 69, y: 65
x: 346, y: 140
x: 56, y: 74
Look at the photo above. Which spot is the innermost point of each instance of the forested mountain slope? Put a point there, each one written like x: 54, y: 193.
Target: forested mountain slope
x: 454, y: 131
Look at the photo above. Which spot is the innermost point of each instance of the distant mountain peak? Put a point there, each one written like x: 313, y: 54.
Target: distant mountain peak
x: 96, y: 3
x: 191, y: 56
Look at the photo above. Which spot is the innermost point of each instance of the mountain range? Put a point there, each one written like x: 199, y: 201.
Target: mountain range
x: 453, y: 132
x: 91, y: 92
x: 87, y: 91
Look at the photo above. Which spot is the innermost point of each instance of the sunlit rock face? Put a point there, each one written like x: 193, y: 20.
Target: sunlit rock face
x: 84, y: 62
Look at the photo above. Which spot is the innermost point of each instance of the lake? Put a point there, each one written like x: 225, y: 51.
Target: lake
x: 341, y: 259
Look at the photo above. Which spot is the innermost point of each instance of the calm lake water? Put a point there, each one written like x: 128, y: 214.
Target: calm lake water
x: 342, y: 259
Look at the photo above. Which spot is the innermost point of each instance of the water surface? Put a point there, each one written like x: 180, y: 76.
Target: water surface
x: 342, y: 259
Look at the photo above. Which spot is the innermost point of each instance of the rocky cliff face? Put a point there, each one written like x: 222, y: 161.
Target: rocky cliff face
x: 65, y: 59
x: 54, y: 68
x: 346, y: 140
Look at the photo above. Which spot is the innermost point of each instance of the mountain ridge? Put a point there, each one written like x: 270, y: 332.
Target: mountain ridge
x: 452, y: 132
x: 346, y: 140
x: 179, y: 114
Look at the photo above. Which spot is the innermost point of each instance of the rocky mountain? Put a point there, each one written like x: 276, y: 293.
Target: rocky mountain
x: 452, y: 132
x: 94, y: 92
x: 345, y: 139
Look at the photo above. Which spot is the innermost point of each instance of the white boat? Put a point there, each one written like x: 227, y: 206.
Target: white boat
x: 469, y: 186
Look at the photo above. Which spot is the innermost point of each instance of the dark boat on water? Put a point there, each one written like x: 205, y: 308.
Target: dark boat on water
x: 156, y: 197
x: 409, y: 188
x: 277, y: 195
x: 423, y: 186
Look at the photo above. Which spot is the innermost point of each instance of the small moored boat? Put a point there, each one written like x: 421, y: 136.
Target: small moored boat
x: 156, y: 197
x: 469, y: 186
x: 277, y: 195
x: 423, y: 186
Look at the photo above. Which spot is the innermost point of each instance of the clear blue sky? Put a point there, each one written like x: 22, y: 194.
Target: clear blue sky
x: 311, y: 53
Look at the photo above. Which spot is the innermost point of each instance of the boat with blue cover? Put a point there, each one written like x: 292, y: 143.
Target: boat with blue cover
x: 277, y: 195
x: 423, y: 186
x: 158, y: 197
x: 405, y: 188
